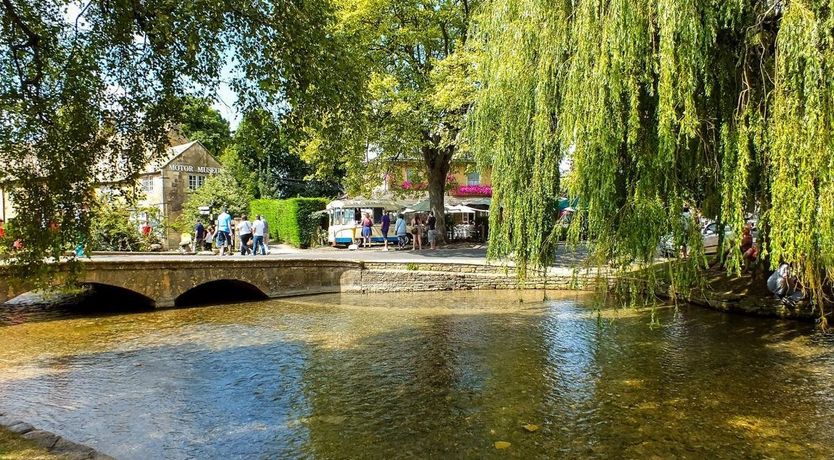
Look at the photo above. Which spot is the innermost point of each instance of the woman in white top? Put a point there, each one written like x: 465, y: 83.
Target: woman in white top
x: 244, y: 229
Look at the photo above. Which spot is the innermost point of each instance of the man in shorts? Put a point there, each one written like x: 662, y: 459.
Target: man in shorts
x: 432, y: 224
x: 224, y: 229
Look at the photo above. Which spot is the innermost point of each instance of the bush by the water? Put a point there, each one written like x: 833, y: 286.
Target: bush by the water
x: 292, y: 221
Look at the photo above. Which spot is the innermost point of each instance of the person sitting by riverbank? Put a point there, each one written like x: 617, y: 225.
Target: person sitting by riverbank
x: 749, y: 250
x: 782, y: 284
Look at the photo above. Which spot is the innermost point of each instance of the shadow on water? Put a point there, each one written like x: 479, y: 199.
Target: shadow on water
x: 94, y: 300
x: 220, y: 292
x: 281, y: 378
x: 90, y: 301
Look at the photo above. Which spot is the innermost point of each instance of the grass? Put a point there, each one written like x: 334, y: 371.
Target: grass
x: 15, y: 447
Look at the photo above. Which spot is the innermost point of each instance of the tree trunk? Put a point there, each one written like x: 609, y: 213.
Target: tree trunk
x: 438, y: 164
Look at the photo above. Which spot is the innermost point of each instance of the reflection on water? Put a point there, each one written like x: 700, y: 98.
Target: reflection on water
x: 424, y: 375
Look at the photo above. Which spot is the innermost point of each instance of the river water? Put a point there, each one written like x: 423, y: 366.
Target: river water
x: 422, y: 375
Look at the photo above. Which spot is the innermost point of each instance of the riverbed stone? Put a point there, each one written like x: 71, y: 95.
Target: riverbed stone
x: 21, y: 428
x: 72, y: 451
x: 44, y: 439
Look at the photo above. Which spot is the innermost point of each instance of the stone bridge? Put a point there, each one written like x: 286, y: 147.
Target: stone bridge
x: 169, y: 282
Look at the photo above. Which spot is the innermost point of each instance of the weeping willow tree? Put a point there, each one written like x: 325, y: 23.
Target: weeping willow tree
x: 723, y: 106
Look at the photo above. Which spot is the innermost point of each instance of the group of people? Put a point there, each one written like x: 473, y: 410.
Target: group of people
x: 401, y: 230
x: 251, y: 236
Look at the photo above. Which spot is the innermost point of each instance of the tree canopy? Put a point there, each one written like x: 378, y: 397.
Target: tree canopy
x: 94, y: 86
x: 412, y: 98
x: 262, y: 159
x: 724, y: 106
x: 201, y: 122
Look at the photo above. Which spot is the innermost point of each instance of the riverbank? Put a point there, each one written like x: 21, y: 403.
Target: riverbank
x: 21, y: 441
x: 745, y: 294
x: 15, y: 447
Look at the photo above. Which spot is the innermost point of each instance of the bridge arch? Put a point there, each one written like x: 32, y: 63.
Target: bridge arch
x: 91, y: 296
x: 219, y: 292
x: 116, y: 296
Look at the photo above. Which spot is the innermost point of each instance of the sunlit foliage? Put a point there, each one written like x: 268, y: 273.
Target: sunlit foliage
x: 89, y: 90
x: 724, y: 106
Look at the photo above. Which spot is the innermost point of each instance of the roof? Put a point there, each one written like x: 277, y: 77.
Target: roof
x: 170, y: 154
x: 359, y: 202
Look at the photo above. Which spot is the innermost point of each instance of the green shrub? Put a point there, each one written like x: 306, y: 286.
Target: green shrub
x: 292, y: 221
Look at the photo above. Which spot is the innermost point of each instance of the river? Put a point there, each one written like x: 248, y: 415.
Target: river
x: 422, y: 375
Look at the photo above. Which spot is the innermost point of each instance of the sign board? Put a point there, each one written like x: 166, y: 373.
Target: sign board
x: 204, y: 210
x: 197, y: 169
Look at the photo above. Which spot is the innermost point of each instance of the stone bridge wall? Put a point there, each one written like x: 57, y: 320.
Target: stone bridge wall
x: 163, y: 281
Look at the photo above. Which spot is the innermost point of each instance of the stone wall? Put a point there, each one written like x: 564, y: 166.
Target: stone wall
x: 163, y: 280
x: 461, y: 278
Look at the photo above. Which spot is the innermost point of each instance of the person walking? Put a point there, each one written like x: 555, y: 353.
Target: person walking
x: 224, y: 231
x: 244, y: 229
x: 417, y: 232
x: 432, y: 224
x: 401, y: 229
x: 367, y: 230
x: 384, y: 227
x: 199, y: 236
x: 258, y: 229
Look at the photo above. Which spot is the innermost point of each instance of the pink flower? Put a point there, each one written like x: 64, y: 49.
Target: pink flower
x: 474, y: 190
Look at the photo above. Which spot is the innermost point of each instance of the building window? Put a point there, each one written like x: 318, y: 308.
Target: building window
x: 412, y: 175
x: 195, y: 182
x: 473, y: 178
x: 147, y: 184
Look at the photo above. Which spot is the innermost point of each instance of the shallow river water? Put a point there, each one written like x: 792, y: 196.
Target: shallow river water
x: 442, y: 375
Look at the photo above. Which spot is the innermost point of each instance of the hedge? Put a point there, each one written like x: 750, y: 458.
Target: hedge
x: 291, y: 220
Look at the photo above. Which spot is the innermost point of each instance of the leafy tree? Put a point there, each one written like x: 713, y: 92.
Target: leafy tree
x: 260, y: 158
x: 218, y: 191
x: 116, y: 229
x: 200, y: 122
x: 725, y: 106
x: 413, y: 103
x: 93, y: 89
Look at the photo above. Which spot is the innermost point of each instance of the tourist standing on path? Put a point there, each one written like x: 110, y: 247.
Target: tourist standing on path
x: 385, y: 226
x: 210, y: 232
x: 224, y: 231
x: 401, y: 230
x: 244, y: 229
x: 199, y: 236
x: 432, y: 224
x: 258, y: 228
x: 417, y: 231
x: 367, y: 229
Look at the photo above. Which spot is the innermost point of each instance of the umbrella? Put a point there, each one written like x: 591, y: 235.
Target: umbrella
x: 425, y: 206
x: 461, y: 208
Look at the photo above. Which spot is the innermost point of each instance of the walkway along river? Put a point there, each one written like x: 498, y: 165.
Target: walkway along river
x: 422, y: 375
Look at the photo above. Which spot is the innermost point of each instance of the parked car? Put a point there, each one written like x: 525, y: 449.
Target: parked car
x: 710, y: 237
